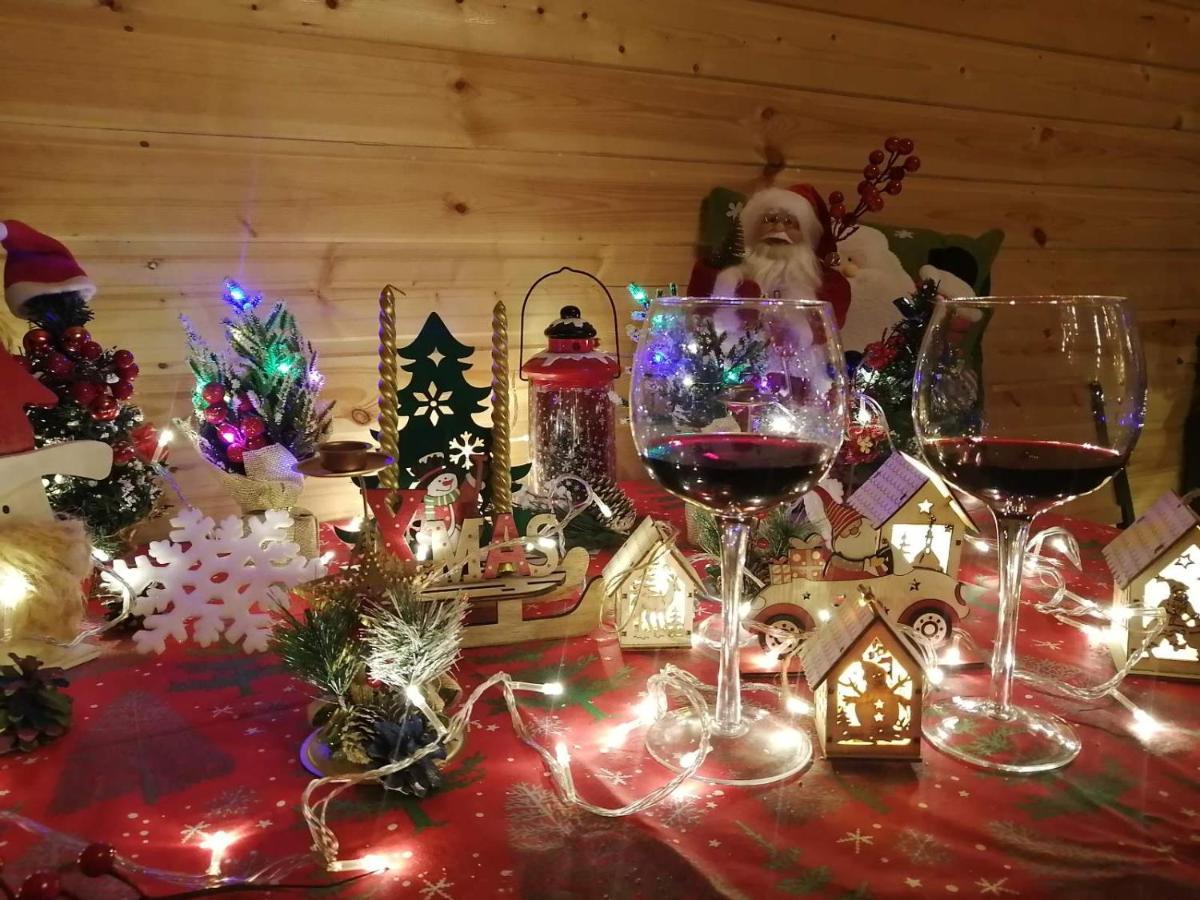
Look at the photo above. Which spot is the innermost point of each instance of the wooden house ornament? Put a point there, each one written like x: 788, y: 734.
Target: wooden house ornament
x: 1155, y: 563
x: 655, y: 589
x: 915, y: 514
x: 867, y: 685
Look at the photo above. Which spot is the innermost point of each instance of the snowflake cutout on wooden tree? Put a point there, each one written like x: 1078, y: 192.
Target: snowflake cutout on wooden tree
x: 434, y: 403
x: 217, y: 578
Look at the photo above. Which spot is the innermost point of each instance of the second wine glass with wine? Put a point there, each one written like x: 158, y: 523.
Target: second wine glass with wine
x: 737, y: 406
x: 1023, y: 403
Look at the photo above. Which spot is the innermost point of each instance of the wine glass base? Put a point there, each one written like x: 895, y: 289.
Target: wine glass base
x: 1022, y: 741
x: 768, y: 747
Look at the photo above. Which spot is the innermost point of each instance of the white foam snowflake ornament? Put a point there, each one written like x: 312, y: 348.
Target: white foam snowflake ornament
x: 220, y: 579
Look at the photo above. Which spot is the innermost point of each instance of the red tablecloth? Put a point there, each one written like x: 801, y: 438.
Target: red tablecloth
x: 167, y: 747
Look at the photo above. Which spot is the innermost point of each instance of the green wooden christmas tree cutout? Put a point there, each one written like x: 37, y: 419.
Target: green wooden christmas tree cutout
x: 439, y: 407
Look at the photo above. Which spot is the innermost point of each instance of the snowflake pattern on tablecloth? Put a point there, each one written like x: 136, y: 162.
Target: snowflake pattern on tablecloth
x: 921, y: 847
x: 548, y: 727
x: 180, y: 583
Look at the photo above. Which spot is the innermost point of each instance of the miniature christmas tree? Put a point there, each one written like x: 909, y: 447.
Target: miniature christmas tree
x: 263, y: 391
x: 94, y: 387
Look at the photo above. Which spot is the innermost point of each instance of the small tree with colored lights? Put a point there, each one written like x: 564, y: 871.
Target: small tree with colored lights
x: 261, y: 390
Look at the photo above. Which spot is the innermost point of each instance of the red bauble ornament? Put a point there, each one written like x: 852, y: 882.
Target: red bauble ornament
x: 84, y: 392
x: 129, y: 372
x: 90, y: 351
x: 216, y: 414
x: 864, y: 188
x: 892, y: 145
x: 104, y: 409
x: 836, y: 197
x: 123, y: 453
x: 894, y: 187
x: 870, y: 171
x: 255, y: 443
x: 40, y: 886
x: 37, y: 339
x: 876, y: 157
x: 905, y: 145
x: 253, y: 426
x: 145, y: 441
x: 76, y: 333
x: 233, y: 453
x: 122, y: 358
x: 122, y: 390
x: 837, y: 210
x: 912, y: 163
x: 874, y: 203
x: 245, y: 406
x: 57, y: 366
x: 897, y: 173
x: 71, y: 346
x: 213, y: 392
x: 97, y: 860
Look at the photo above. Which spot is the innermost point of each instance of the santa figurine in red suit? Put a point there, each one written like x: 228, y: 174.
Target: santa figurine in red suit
x: 790, y: 253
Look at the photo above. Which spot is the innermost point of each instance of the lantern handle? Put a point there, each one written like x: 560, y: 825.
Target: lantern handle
x: 529, y: 293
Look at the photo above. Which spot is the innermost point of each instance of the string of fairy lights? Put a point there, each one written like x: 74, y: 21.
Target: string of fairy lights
x: 1066, y: 606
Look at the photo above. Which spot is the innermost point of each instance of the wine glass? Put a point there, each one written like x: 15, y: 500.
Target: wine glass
x: 1023, y: 403
x: 738, y: 405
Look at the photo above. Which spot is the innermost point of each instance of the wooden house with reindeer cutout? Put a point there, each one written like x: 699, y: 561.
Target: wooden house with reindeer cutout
x: 655, y: 590
x: 915, y: 514
x: 867, y: 684
x: 1155, y: 564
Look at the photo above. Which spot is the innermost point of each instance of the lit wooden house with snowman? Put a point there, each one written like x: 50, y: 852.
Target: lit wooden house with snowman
x: 1155, y: 564
x: 867, y: 685
x: 655, y: 590
x: 900, y: 533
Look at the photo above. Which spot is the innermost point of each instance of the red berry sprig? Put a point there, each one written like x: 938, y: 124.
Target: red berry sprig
x: 884, y: 173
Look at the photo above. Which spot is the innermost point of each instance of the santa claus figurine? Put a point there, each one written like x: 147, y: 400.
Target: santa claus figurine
x: 789, y: 250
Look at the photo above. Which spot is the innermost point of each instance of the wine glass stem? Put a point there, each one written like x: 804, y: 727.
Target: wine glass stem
x: 734, y: 535
x: 1011, y: 535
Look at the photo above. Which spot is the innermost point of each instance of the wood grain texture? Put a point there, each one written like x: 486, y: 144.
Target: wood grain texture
x: 1131, y: 30
x: 460, y: 149
x: 274, y: 85
x: 748, y: 42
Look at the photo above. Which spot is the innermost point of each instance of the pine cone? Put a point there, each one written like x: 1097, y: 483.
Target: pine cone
x: 33, y: 711
x: 394, y: 742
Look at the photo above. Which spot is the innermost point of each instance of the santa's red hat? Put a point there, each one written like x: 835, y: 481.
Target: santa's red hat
x: 37, y: 264
x: 842, y: 518
x: 805, y: 203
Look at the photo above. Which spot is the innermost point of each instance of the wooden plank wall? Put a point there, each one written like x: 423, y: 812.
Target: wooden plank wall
x: 460, y: 148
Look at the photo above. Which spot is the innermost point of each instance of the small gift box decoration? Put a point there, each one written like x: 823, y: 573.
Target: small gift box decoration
x: 1155, y: 564
x: 867, y: 685
x: 655, y: 590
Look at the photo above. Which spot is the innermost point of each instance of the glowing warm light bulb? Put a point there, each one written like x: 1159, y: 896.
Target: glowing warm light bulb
x: 980, y: 544
x: 547, y: 543
x: 936, y: 675
x: 798, y: 706
x: 553, y: 688
x: 824, y: 615
x: 14, y: 587
x: 562, y: 754
x: 217, y: 843
x: 687, y: 760
x: 354, y: 524
x: 414, y: 695
x: 952, y: 657
x: 1145, y: 725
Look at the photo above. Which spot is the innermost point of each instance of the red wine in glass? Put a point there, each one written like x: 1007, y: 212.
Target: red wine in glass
x: 737, y: 473
x: 1022, y: 477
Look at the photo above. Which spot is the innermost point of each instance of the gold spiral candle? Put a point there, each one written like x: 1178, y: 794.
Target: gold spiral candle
x: 499, y: 475
x: 389, y: 418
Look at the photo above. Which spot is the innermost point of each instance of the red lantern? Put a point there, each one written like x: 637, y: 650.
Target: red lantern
x: 572, y: 419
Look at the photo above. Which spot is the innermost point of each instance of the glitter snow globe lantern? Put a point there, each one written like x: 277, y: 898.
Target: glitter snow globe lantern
x: 572, y: 418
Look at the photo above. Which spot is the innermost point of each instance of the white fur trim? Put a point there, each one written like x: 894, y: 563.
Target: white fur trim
x: 789, y: 201
x: 727, y: 281
x: 949, y: 285
x: 19, y: 293
x: 3, y: 231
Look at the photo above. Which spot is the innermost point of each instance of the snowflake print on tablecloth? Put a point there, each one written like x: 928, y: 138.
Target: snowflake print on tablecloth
x: 548, y: 727
x: 857, y: 838
x: 436, y: 890
x: 921, y: 847
x: 463, y: 448
x: 613, y: 777
x: 433, y: 403
x: 181, y: 584
x: 680, y: 810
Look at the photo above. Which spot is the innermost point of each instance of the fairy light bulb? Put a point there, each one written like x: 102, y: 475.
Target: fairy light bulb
x: 553, y: 689
x: 14, y: 589
x: 217, y: 844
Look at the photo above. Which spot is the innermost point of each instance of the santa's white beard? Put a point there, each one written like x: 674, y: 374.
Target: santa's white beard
x: 789, y: 270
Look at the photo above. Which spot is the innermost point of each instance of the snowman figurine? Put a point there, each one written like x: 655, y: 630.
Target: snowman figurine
x: 437, y: 527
